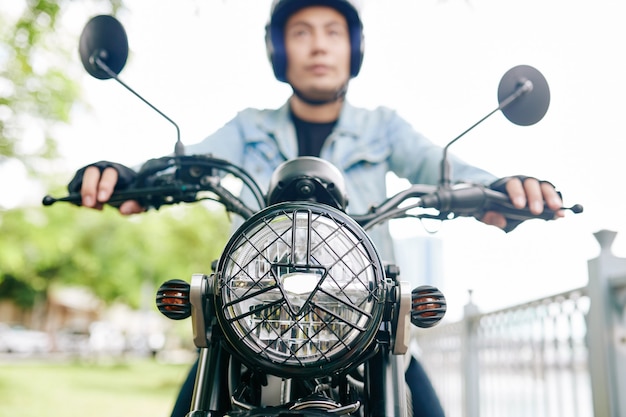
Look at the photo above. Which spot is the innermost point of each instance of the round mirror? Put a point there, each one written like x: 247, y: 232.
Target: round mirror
x: 104, y: 38
x: 529, y: 107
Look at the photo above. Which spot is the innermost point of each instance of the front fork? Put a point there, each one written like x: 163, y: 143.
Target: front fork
x: 385, y: 384
x: 210, y: 391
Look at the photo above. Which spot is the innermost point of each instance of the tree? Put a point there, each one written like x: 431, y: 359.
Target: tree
x: 111, y: 254
x: 35, y: 90
x: 36, y: 93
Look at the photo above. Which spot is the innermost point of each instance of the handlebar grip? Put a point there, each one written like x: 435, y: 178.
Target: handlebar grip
x: 476, y: 200
x: 499, y: 202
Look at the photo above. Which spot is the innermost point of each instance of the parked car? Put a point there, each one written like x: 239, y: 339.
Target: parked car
x: 19, y: 339
x: 73, y: 341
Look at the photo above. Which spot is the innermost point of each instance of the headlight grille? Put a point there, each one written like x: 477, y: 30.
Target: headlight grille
x: 300, y: 288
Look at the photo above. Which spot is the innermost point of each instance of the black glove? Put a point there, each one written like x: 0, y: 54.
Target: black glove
x: 500, y: 186
x: 126, y: 176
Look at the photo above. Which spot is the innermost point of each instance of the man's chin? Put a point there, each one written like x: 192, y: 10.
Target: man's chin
x: 325, y: 94
x: 320, y: 95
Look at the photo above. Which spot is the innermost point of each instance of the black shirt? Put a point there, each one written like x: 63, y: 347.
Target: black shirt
x: 311, y: 135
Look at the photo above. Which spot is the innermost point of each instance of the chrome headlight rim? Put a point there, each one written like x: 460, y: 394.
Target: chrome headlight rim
x: 368, y: 315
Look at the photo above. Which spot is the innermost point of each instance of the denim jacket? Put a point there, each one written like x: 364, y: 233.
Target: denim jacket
x: 365, y: 145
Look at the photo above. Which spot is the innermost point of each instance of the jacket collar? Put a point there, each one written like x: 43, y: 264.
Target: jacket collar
x: 278, y: 125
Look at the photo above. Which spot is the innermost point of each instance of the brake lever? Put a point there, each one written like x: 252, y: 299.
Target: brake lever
x: 134, y: 194
x: 74, y: 198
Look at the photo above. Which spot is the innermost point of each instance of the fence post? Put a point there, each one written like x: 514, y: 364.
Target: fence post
x: 606, y: 338
x: 469, y: 360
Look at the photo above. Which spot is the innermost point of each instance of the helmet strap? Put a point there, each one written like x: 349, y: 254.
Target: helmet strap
x: 339, y: 95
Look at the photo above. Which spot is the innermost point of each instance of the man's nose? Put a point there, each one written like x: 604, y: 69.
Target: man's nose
x: 320, y: 41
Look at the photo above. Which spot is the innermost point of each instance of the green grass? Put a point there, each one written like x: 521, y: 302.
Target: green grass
x: 131, y: 388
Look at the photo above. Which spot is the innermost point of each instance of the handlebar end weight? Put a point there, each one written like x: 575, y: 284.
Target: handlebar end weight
x: 48, y: 200
x: 172, y: 299
x: 428, y: 306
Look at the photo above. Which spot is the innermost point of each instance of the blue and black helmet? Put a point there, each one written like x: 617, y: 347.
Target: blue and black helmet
x: 275, y: 36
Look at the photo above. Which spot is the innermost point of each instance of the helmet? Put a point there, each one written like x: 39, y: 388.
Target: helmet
x: 275, y: 39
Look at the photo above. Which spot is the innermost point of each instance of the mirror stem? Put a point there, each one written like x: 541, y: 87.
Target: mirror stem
x: 525, y: 86
x: 95, y: 59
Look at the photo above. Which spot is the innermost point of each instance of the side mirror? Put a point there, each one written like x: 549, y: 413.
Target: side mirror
x: 532, y: 104
x: 103, y: 47
x: 523, y: 98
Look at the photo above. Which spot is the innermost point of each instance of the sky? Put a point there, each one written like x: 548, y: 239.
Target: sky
x: 438, y: 63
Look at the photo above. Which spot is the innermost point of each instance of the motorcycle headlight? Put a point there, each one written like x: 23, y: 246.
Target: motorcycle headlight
x: 300, y: 290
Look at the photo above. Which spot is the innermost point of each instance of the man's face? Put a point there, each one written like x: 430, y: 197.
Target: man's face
x: 317, y: 43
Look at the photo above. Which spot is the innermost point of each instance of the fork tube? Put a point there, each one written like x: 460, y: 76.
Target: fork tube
x: 385, y: 385
x: 397, y: 389
x: 209, y: 392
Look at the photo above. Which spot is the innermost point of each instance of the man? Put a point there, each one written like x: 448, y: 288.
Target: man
x: 316, y: 46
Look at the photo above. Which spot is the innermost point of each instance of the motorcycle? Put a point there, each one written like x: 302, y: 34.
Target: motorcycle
x: 300, y: 316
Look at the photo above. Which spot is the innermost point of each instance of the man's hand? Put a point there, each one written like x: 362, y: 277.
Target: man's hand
x: 97, y: 188
x: 530, y: 193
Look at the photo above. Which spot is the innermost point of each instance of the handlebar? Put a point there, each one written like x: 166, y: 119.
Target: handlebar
x: 187, y: 179
x: 464, y: 200
x: 182, y: 179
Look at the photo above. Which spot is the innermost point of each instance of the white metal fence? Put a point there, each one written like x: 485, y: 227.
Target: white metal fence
x: 563, y: 355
